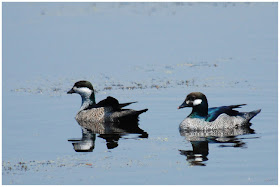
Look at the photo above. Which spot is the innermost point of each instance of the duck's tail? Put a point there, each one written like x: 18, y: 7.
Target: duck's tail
x: 141, y: 111
x: 249, y: 115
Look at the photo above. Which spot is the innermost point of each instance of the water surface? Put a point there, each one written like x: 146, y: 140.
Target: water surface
x: 153, y: 53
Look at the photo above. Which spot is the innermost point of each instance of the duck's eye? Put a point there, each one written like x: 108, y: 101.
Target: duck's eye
x: 192, y: 98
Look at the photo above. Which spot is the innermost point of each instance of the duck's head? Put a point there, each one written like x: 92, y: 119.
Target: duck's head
x: 84, y: 88
x: 195, y: 100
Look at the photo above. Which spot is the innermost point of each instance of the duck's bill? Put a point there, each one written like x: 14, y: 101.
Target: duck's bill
x: 71, y: 91
x: 183, y: 105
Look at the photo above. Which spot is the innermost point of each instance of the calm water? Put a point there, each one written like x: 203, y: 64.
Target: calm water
x: 153, y: 53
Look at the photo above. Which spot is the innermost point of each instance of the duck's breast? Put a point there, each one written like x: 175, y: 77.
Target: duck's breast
x: 95, y: 114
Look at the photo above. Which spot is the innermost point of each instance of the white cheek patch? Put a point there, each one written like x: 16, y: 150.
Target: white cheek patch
x: 83, y: 90
x: 187, y: 102
x: 197, y: 102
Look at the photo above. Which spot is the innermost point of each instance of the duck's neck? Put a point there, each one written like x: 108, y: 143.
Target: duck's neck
x: 88, y: 101
x: 200, y: 111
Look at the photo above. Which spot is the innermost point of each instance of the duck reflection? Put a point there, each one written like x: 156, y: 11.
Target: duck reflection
x: 200, y: 140
x: 86, y: 143
x: 111, y: 132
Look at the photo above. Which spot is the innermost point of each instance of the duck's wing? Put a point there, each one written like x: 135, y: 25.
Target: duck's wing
x: 213, y: 113
x: 108, y: 102
x: 112, y: 102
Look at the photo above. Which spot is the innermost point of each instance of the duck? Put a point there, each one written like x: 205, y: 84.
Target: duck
x: 107, y: 110
x: 204, y: 118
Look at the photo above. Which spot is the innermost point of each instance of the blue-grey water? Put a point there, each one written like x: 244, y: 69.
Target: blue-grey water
x: 153, y: 53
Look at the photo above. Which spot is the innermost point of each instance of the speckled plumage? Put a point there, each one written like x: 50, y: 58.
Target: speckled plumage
x: 202, y: 118
x: 224, y: 121
x: 220, y: 134
x: 107, y: 114
x: 94, y: 114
